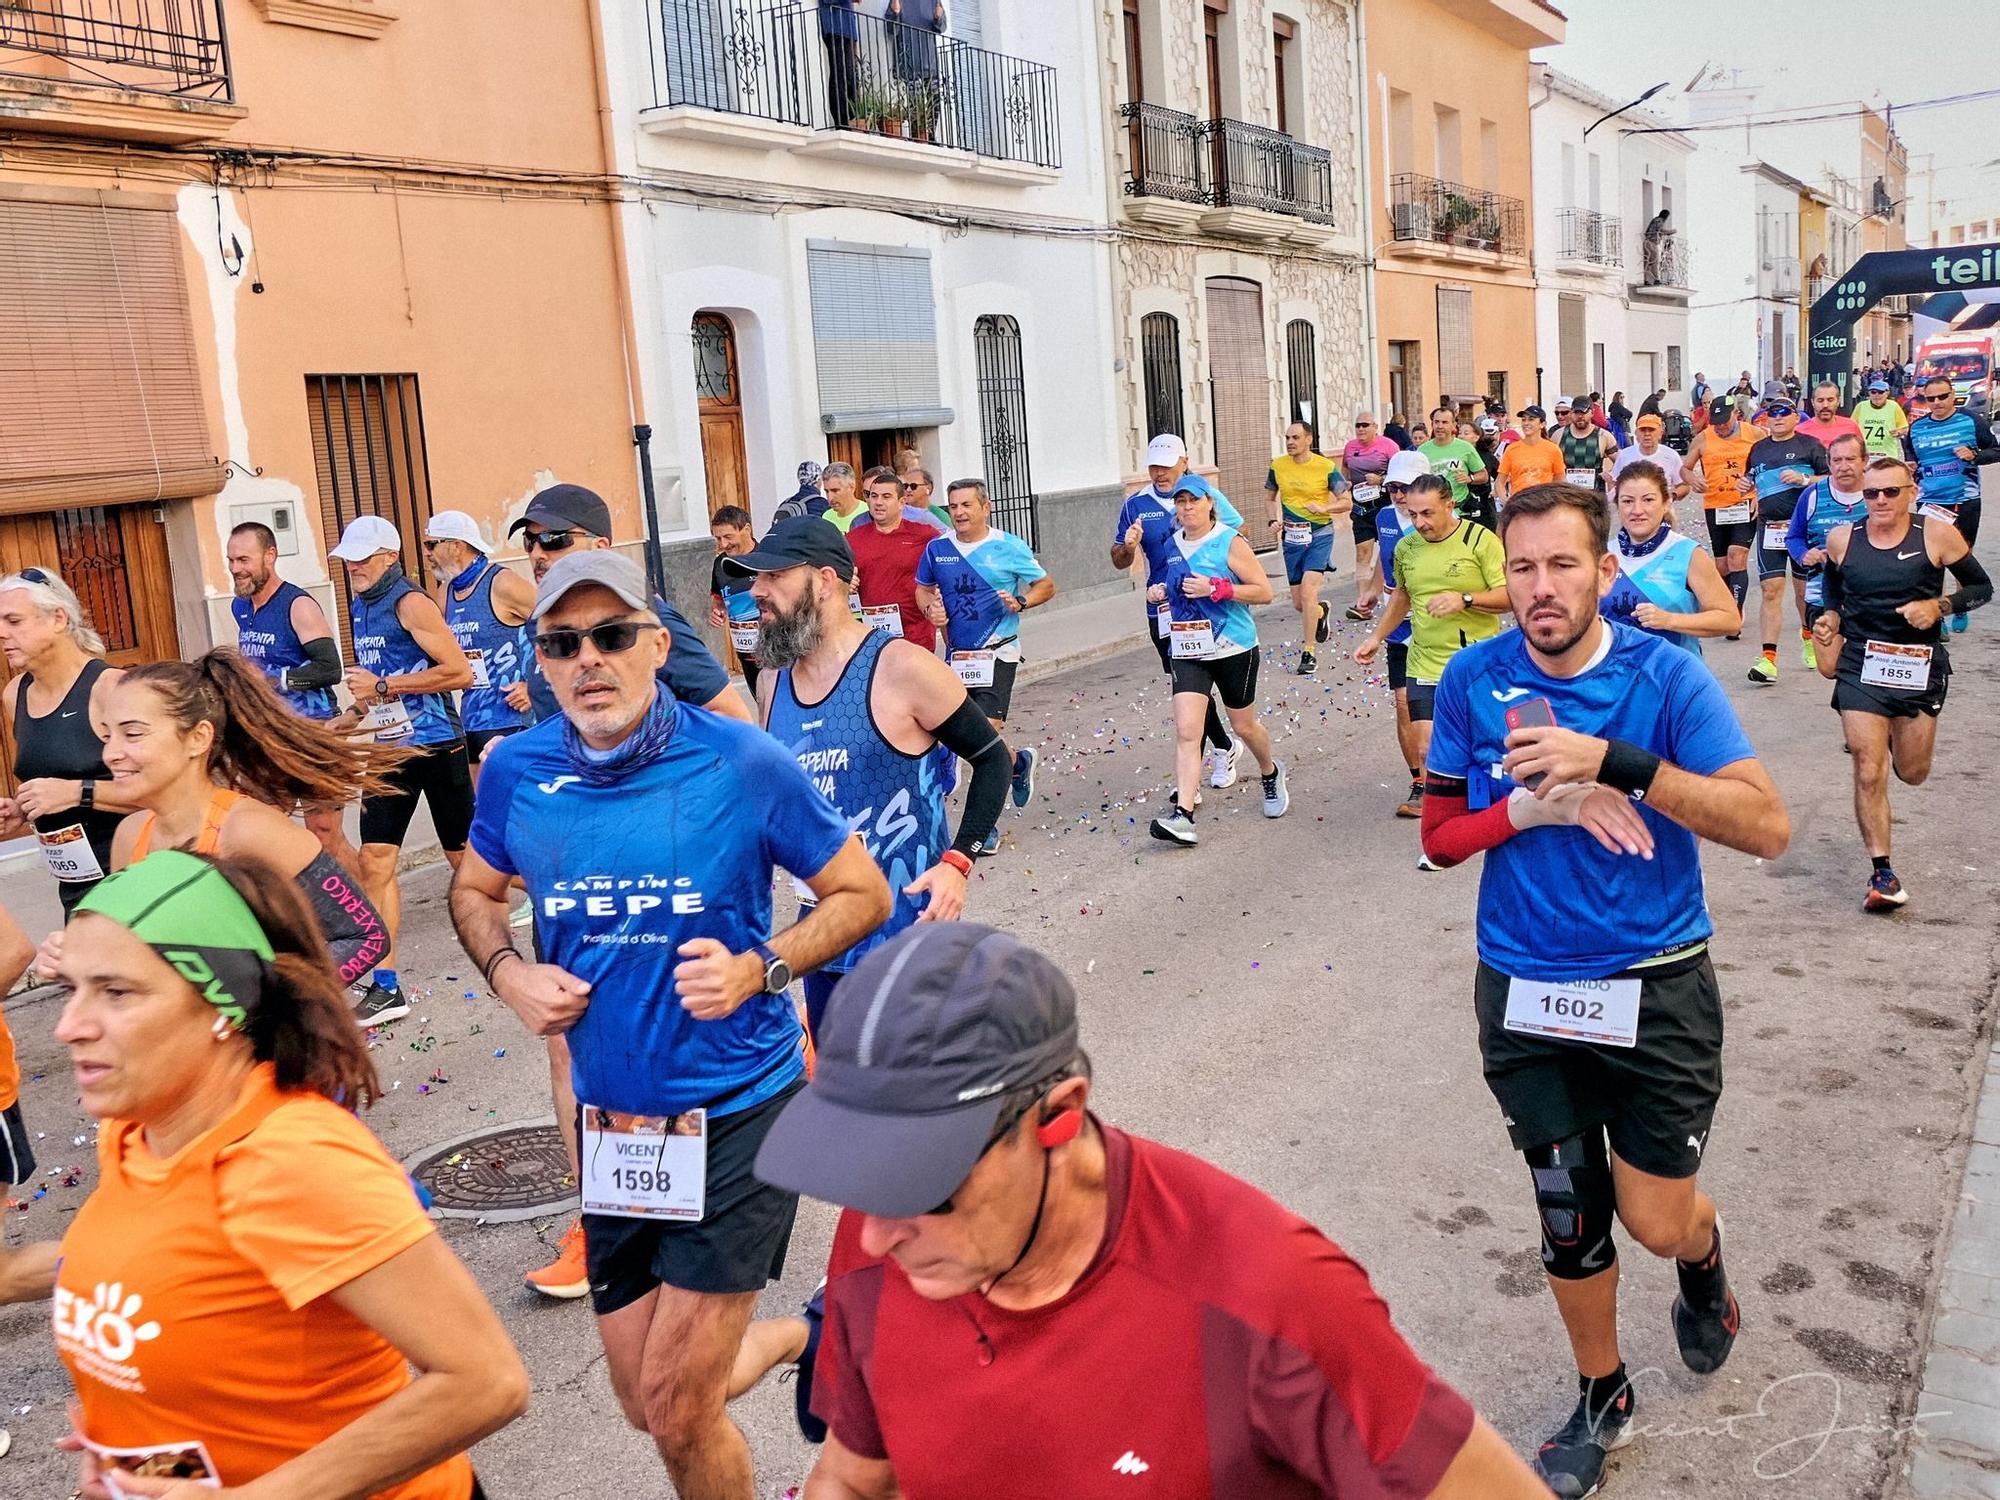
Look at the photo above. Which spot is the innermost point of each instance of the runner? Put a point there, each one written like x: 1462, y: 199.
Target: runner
x: 730, y: 606
x: 407, y: 664
x: 1600, y: 1026
x: 1649, y: 432
x: 887, y: 548
x: 1588, y: 450
x: 1826, y: 422
x: 1947, y: 445
x: 975, y: 587
x: 27, y: 1272
x: 1780, y: 467
x: 988, y: 1209
x: 1716, y: 463
x: 1667, y: 584
x: 808, y: 499
x: 279, y: 1278
x: 919, y: 493
x: 865, y: 714
x: 1306, y: 492
x: 486, y: 608
x: 1881, y: 421
x: 1880, y: 640
x: 1146, y: 524
x: 282, y: 631
x: 1450, y: 585
x: 1533, y: 460
x: 1831, y: 503
x: 1210, y: 579
x: 843, y: 496
x: 1393, y: 522
x: 1453, y: 460
x: 1487, y: 446
x: 1362, y: 463
x: 650, y: 857
x: 57, y: 700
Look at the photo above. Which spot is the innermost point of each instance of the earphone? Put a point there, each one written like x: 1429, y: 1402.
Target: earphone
x: 1060, y: 1130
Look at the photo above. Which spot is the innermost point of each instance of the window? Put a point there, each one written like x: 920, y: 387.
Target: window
x: 1302, y: 366
x: 368, y: 452
x: 1596, y: 202
x: 1402, y: 132
x: 1003, y: 423
x: 1406, y: 379
x: 1160, y: 359
x: 1673, y: 367
x: 1285, y: 73
x: 1454, y: 324
x: 1496, y: 389
x: 1597, y: 381
x: 1489, y: 156
x: 874, y: 329
x: 1569, y: 342
x: 1212, y: 12
x: 1450, y: 150
x: 1646, y: 199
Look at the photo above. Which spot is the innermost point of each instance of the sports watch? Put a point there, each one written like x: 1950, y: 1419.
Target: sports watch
x: 1466, y: 600
x: 777, y: 973
x: 381, y: 687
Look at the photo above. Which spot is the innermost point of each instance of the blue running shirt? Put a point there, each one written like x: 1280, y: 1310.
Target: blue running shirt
x: 498, y: 652
x: 266, y: 640
x: 1155, y: 512
x: 1234, y: 628
x: 383, y: 645
x: 622, y: 875
x: 1943, y: 478
x: 970, y: 578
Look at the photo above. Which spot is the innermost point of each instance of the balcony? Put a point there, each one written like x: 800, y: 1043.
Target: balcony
x: 1226, y: 177
x: 133, y: 70
x: 1590, y: 239
x: 1433, y: 218
x: 893, y: 96
x: 1663, y: 269
x: 1778, y: 276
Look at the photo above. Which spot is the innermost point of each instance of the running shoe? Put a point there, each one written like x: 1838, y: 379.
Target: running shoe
x: 1706, y: 1336
x: 6, y: 1441
x: 1807, y: 655
x: 1412, y: 806
x: 1173, y: 793
x: 1885, y: 892
x: 1325, y: 627
x: 1763, y: 671
x: 1176, y: 828
x: 378, y: 1006
x: 1959, y: 621
x: 1308, y: 664
x: 1572, y: 1462
x: 1222, y: 765
x: 1277, y: 792
x: 1025, y: 761
x: 566, y: 1277
x: 1424, y: 864
x: 992, y: 845
x: 815, y: 1315
x: 1358, y: 612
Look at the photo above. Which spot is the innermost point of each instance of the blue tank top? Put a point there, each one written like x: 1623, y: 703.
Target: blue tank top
x: 1235, y: 630
x: 1824, y: 511
x: 894, y: 801
x: 1662, y: 577
x: 384, y: 647
x: 499, y: 653
x: 1943, y: 478
x: 266, y: 639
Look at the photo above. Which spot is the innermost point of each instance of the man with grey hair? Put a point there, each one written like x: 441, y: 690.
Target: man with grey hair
x: 843, y: 496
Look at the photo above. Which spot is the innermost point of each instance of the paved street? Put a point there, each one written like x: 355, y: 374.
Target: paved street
x: 1291, y: 1001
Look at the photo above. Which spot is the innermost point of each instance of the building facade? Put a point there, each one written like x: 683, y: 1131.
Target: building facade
x: 1746, y: 312
x: 1583, y: 243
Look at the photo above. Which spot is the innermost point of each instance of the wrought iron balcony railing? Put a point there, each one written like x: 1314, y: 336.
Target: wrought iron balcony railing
x: 148, y: 46
x: 1430, y: 208
x: 1589, y: 236
x: 1166, y: 154
x: 1663, y: 261
x: 1226, y: 164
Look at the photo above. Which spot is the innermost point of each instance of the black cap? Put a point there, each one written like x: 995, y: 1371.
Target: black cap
x: 1722, y: 410
x: 796, y: 542
x: 927, y: 1035
x: 565, y: 507
x: 1533, y: 411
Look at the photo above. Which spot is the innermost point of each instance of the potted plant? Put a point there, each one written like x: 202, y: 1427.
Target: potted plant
x: 1459, y: 212
x: 923, y: 111
x: 890, y: 109
x: 866, y: 105
x: 1489, y: 233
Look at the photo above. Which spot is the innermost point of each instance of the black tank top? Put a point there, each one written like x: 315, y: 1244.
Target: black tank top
x: 65, y: 744
x: 1584, y: 453
x: 1873, y: 581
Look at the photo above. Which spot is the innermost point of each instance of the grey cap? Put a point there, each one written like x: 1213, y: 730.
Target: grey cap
x: 923, y: 1040
x: 599, y: 565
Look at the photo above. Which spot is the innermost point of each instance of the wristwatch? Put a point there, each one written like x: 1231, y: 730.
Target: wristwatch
x: 381, y: 687
x: 87, y: 793
x: 777, y: 973
x: 1466, y: 600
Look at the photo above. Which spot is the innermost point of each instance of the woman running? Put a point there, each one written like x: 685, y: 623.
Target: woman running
x: 1212, y: 578
x: 1669, y: 586
x: 245, y: 1292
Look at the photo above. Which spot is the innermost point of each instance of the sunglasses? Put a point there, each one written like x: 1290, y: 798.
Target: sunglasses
x: 1780, y: 411
x: 550, y: 541
x: 609, y: 638
x: 1397, y: 489
x: 1886, y: 492
x: 34, y: 575
x: 1002, y: 1128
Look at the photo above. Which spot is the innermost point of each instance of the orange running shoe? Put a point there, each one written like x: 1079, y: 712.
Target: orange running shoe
x: 566, y: 1276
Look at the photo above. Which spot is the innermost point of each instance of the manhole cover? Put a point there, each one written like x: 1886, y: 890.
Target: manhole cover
x: 518, y: 1171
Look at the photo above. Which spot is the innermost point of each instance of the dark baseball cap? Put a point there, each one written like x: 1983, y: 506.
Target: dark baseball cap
x: 927, y: 1036
x: 1533, y: 411
x: 1722, y: 410
x: 566, y: 507
x: 796, y: 542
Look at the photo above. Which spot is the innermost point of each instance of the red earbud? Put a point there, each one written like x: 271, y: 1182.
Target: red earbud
x: 1061, y: 1130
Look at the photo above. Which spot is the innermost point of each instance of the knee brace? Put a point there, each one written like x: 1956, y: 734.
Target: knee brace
x: 1576, y: 1200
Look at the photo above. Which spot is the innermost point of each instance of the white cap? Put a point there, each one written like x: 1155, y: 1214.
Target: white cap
x: 456, y: 526
x: 1406, y: 466
x: 1165, y: 451
x: 1487, y: 424
x: 365, y: 536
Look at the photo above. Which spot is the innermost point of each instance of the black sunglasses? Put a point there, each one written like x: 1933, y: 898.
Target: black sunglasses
x: 550, y: 541
x: 1397, y: 489
x: 1886, y: 492
x: 611, y: 637
x: 34, y: 575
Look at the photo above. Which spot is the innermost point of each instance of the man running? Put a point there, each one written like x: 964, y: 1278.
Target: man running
x: 1648, y: 446
x: 407, y: 664
x: 1881, y: 421
x: 487, y: 608
x: 1146, y: 525
x: 1305, y: 493
x: 1451, y: 585
x: 975, y: 586
x: 730, y: 606
x: 843, y: 497
x: 647, y: 833
x: 920, y: 493
x: 1587, y: 760
x: 1880, y: 640
x: 1362, y: 463
x: 1454, y: 460
x: 1831, y: 503
x: 1826, y: 422
x: 887, y: 548
x: 1531, y: 461
x: 1781, y: 464
x: 1716, y: 463
x: 1393, y: 524
x: 864, y: 714
x: 1947, y: 445
x: 1588, y: 450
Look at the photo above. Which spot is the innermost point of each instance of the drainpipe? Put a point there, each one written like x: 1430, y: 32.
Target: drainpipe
x: 642, y: 433
x: 1368, y: 268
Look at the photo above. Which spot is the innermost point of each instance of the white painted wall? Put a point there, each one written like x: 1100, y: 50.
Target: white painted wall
x: 1722, y: 316
x: 1558, y: 122
x: 1649, y: 325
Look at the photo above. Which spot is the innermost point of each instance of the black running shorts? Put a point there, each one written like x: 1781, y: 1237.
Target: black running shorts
x: 1234, y: 678
x: 441, y: 776
x: 1890, y: 703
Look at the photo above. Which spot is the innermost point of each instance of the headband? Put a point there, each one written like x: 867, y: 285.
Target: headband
x: 186, y: 911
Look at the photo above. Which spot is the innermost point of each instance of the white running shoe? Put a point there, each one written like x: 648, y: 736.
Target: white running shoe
x: 1222, y: 764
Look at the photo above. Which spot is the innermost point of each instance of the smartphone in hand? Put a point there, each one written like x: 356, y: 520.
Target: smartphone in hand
x: 1533, y: 714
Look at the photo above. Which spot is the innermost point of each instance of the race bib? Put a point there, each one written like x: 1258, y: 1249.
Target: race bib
x: 1192, y: 639
x: 68, y: 854
x: 188, y: 1461
x: 477, y: 661
x: 1939, y: 513
x: 1163, y: 618
x: 887, y: 618
x: 744, y: 638
x: 974, y: 668
x: 1774, y: 535
x: 1728, y: 515
x: 388, y: 720
x: 1367, y: 494
x: 1582, y: 478
x: 645, y: 1166
x: 1601, y: 1011
x: 1298, y: 534
x: 1891, y: 664
x: 854, y: 603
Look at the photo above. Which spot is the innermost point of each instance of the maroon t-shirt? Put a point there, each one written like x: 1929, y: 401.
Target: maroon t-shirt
x: 1219, y: 1346
x: 885, y: 572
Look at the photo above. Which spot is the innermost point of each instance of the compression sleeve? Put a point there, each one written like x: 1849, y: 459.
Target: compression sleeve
x: 321, y: 670
x: 969, y: 736
x: 1974, y: 586
x: 1984, y: 450
x: 355, y: 935
x: 1451, y: 834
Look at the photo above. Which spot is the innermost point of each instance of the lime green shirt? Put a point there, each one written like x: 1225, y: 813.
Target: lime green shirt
x: 1469, y: 561
x: 1453, y: 461
x: 847, y: 524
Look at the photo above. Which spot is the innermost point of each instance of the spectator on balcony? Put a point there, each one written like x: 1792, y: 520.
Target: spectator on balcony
x: 840, y: 33
x: 919, y: 23
x: 1659, y: 246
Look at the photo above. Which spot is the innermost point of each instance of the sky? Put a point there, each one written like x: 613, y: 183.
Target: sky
x: 1819, y: 53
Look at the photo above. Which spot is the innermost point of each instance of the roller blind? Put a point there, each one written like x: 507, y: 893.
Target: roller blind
x: 874, y: 337
x: 1455, y: 340
x: 101, y: 396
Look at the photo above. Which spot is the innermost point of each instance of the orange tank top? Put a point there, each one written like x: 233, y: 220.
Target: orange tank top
x: 1724, y: 460
x: 208, y: 841
x: 192, y: 1305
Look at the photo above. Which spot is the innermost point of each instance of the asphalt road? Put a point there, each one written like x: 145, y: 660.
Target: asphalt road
x: 1292, y: 1001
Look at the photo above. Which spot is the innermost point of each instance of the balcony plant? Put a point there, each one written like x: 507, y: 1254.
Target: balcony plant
x: 891, y: 105
x: 867, y: 106
x: 1456, y: 220
x: 923, y: 108
x: 1487, y: 233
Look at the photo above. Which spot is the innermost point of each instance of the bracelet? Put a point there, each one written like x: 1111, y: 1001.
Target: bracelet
x: 493, y: 962
x: 1222, y: 589
x: 959, y: 860
x: 1629, y: 769
x: 86, y: 797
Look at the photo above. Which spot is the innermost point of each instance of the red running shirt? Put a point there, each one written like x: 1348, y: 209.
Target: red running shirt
x: 885, y: 564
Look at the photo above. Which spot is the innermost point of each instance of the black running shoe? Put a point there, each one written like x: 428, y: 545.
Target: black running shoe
x: 1308, y: 664
x: 379, y: 1006
x: 1706, y: 1337
x: 1572, y: 1462
x: 813, y: 1429
x: 1324, y: 628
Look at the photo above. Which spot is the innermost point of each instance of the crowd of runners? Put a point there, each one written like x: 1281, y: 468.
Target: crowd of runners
x: 253, y: 1295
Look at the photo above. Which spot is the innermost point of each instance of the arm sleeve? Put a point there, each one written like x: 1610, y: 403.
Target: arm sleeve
x: 355, y: 934
x: 691, y: 673
x: 967, y: 735
x: 1974, y: 587
x: 322, y: 667
x: 1451, y: 832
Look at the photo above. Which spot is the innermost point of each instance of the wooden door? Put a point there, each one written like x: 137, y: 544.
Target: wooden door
x: 719, y: 401
x: 1240, y: 388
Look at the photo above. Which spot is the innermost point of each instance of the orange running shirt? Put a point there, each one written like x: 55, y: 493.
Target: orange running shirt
x: 10, y: 1069
x: 1724, y: 460
x: 191, y: 1306
x: 1531, y: 461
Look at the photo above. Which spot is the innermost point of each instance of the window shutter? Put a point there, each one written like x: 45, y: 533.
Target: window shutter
x: 100, y: 391
x: 1455, y: 340
x: 874, y: 337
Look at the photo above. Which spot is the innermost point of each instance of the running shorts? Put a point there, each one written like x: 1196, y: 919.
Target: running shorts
x: 1234, y: 678
x: 1423, y: 701
x: 1890, y: 703
x: 994, y: 701
x: 1722, y: 535
x: 1315, y: 556
x: 441, y: 776
x: 1775, y: 561
x: 476, y: 741
x: 1396, y: 655
x: 1363, y: 519
x: 17, y: 1153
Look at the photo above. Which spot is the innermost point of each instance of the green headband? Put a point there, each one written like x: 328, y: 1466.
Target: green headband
x: 183, y: 908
